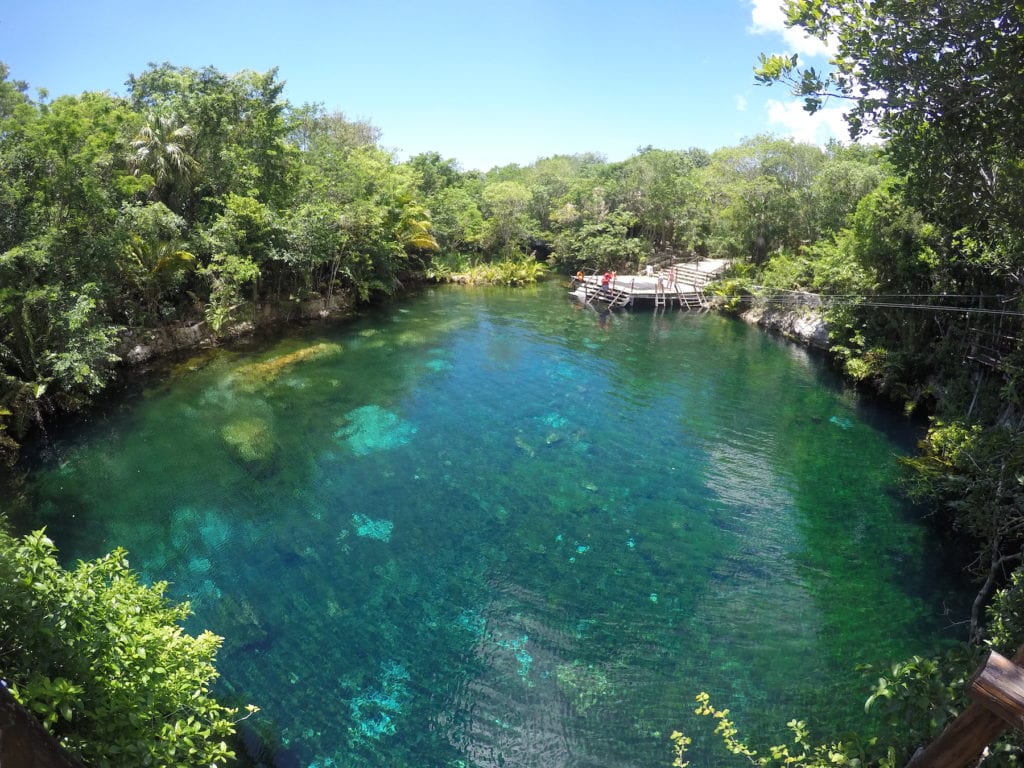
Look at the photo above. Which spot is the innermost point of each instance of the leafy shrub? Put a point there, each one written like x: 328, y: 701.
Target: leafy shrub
x: 103, y: 662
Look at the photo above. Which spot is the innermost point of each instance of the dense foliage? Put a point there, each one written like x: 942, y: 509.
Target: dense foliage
x: 929, y: 267
x: 939, y: 82
x: 103, y: 663
x: 201, y: 196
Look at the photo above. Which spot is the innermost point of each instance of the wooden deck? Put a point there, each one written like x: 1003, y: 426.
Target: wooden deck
x: 680, y: 285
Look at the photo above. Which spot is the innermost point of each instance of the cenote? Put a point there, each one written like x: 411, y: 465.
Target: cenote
x: 488, y: 527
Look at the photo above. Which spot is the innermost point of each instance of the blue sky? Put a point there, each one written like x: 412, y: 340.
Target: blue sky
x: 487, y: 83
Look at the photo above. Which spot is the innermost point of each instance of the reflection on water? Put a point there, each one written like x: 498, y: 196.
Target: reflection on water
x: 497, y: 529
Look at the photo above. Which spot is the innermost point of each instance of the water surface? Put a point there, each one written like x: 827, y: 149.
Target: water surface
x: 493, y: 528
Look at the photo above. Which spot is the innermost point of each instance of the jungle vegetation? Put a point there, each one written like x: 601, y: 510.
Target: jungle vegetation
x: 202, y: 197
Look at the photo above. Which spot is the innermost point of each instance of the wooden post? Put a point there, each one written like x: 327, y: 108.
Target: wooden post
x: 997, y: 690
x: 999, y: 686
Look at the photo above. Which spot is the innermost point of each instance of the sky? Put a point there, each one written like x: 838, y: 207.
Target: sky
x: 487, y: 83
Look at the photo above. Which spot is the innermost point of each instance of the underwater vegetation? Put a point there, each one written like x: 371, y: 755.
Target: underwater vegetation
x: 583, y: 684
x: 252, y: 377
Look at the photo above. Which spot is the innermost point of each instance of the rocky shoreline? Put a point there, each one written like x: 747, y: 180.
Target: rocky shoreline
x: 142, y: 345
x: 802, y: 323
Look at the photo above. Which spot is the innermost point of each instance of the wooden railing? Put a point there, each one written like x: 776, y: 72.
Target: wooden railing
x: 24, y: 743
x: 997, y: 693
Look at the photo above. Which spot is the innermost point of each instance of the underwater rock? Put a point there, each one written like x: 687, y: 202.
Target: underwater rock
x: 371, y: 428
x: 373, y: 529
x: 437, y: 365
x: 250, y: 438
x: 472, y: 622
x: 518, y: 648
x: 194, y: 363
x: 374, y: 710
x: 525, y: 447
x: 243, y: 623
x: 214, y: 530
x: 252, y: 377
x: 555, y: 420
x: 410, y: 338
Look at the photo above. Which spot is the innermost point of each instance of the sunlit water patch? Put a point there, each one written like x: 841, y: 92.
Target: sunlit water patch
x: 497, y: 529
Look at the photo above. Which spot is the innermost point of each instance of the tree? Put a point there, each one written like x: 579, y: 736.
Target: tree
x: 243, y: 240
x: 239, y: 126
x: 457, y: 221
x: 972, y: 477
x: 602, y: 244
x: 57, y: 350
x: 12, y: 92
x: 939, y: 82
x: 761, y: 191
x: 508, y: 226
x: 894, y: 242
x: 103, y: 663
x: 154, y: 258
x: 162, y: 149
x: 310, y: 128
x: 435, y: 173
x: 661, y: 189
x: 835, y: 191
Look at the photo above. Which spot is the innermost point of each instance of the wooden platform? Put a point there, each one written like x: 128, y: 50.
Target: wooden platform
x: 680, y: 285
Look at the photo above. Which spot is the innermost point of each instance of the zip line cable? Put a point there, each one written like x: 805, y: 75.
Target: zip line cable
x: 823, y: 299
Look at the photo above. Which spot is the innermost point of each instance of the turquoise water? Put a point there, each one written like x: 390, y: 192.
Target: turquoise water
x: 493, y: 528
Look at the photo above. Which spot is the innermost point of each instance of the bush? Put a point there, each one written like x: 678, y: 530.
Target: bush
x: 103, y: 662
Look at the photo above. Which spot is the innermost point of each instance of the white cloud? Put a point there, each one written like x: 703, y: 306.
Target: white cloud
x: 768, y: 18
x: 827, y: 123
x: 741, y: 103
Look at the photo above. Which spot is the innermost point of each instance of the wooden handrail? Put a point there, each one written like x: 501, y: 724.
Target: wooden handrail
x: 23, y: 741
x: 997, y: 693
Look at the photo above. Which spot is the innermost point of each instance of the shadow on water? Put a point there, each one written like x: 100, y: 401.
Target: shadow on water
x: 490, y: 527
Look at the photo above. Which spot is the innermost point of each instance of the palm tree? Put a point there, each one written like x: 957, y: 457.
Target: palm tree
x: 162, y: 149
x: 155, y: 265
x: 413, y: 228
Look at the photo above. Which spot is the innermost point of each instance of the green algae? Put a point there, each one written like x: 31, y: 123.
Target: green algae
x: 258, y: 375
x: 250, y: 438
x: 583, y: 684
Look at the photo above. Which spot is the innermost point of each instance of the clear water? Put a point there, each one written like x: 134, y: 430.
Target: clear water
x: 493, y: 528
